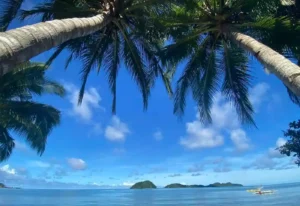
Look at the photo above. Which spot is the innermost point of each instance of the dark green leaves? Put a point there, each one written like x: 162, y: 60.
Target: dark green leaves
x: 8, y: 11
x: 18, y: 111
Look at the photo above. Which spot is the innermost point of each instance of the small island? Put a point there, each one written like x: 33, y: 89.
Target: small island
x: 144, y: 185
x: 2, y: 185
x: 177, y: 185
x: 228, y: 184
x: 217, y: 184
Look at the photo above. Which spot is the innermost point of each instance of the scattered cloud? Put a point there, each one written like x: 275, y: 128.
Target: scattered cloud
x: 224, y: 119
x: 76, y: 164
x: 196, y: 174
x: 200, y: 137
x: 41, y: 164
x: 174, y: 175
x: 127, y: 184
x: 7, y: 169
x: 196, y: 168
x: 157, y: 169
x: 117, y: 130
x: 258, y: 94
x: 273, y: 152
x: 60, y: 173
x: 91, y: 101
x: 135, y: 173
x: 240, y: 140
x: 158, y: 135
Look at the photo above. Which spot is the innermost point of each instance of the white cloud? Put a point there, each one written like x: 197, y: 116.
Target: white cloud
x: 76, y: 164
x: 91, y: 101
x: 39, y: 164
x: 127, y: 184
x: 258, y: 94
x: 240, y: 140
x: 273, y: 152
x: 158, y: 135
x: 200, y: 137
x: 8, y: 170
x: 117, y: 130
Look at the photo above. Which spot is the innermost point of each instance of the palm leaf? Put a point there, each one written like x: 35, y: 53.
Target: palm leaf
x: 237, y: 80
x: 6, y: 144
x: 9, y: 10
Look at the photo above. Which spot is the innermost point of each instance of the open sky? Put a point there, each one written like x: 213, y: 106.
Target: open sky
x: 94, y: 149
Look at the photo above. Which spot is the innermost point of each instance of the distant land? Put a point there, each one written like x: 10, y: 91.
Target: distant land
x: 217, y: 184
x: 3, y: 186
x: 144, y: 185
x: 149, y: 185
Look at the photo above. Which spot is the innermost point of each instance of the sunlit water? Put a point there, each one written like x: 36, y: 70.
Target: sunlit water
x: 288, y: 195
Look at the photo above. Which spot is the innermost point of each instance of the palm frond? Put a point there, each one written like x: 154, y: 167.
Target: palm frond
x: 237, y: 80
x: 9, y: 10
x: 294, y: 98
x: 6, y: 144
x: 135, y: 64
x: 28, y: 79
x: 33, y: 120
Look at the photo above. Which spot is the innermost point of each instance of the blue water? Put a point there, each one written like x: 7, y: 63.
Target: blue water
x: 288, y: 195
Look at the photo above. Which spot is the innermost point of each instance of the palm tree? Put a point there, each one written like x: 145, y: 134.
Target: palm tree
x: 101, y: 33
x: 20, y: 114
x: 216, y: 38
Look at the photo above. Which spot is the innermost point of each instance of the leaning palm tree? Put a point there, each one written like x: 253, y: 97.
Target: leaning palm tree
x: 101, y: 33
x: 216, y: 38
x: 20, y: 114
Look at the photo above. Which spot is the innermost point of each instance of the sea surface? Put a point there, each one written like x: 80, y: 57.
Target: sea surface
x: 286, y: 195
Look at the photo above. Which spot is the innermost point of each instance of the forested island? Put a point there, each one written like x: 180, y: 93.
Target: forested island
x: 144, y: 185
x: 149, y: 185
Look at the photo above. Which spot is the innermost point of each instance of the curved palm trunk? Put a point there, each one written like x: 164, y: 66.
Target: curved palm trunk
x: 284, y: 69
x: 20, y: 45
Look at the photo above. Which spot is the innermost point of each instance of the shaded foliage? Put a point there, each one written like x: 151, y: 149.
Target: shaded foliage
x: 20, y: 114
x: 292, y: 146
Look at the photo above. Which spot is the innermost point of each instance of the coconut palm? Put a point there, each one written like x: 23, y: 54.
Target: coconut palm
x: 108, y: 33
x: 20, y: 114
x: 216, y: 39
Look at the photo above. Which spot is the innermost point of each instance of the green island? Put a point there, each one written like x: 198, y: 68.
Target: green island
x: 2, y: 185
x: 178, y: 185
x: 217, y: 184
x: 144, y: 185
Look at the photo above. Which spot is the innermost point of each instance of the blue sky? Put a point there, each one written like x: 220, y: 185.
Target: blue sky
x: 94, y: 149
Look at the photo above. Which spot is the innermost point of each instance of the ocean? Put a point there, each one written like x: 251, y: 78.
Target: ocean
x: 287, y: 194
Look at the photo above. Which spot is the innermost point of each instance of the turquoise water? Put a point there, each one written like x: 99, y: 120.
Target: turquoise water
x: 286, y: 195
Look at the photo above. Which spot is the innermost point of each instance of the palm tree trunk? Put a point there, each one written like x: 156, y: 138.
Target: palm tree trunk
x: 20, y: 45
x: 284, y: 69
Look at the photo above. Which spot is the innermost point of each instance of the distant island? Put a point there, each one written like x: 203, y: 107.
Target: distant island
x: 144, y: 185
x: 217, y: 184
x: 177, y: 185
x: 3, y: 186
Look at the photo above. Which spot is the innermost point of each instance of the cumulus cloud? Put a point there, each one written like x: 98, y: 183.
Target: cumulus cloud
x: 158, y: 135
x: 117, y: 130
x: 76, y: 164
x: 200, y: 137
x: 91, y: 101
x: 7, y: 169
x: 196, y: 174
x: 240, y: 140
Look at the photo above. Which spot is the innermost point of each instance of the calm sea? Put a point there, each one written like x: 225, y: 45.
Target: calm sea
x: 288, y: 194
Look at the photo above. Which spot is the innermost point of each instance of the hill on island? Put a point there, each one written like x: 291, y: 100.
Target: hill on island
x: 177, y: 185
x: 144, y: 185
x: 217, y: 184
